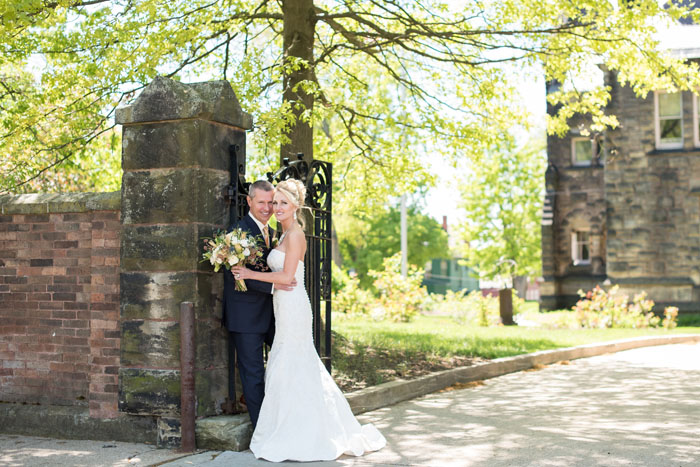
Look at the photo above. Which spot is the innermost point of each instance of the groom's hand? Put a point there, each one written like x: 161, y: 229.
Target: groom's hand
x: 286, y: 287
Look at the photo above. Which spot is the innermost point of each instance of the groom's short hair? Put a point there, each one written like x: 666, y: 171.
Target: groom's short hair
x: 263, y: 185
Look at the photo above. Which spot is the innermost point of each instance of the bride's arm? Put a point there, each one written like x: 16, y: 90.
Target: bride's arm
x: 296, y: 246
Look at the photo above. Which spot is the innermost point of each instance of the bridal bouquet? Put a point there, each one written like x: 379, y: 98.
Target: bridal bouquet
x: 228, y: 249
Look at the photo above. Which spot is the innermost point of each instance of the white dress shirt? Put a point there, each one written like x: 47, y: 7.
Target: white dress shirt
x: 260, y: 225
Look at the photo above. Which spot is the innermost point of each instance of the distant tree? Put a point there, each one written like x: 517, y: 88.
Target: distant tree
x: 502, y: 199
x: 366, y: 243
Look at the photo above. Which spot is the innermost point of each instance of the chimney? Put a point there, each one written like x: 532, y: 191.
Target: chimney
x: 444, y: 223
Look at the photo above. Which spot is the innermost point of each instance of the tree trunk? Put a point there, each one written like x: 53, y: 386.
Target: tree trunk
x: 298, y: 41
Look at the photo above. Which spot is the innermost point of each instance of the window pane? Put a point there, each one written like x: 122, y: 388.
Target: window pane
x: 583, y: 150
x: 671, y: 129
x: 584, y: 253
x: 669, y: 104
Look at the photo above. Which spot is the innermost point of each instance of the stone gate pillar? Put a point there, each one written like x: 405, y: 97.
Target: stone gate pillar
x: 175, y: 158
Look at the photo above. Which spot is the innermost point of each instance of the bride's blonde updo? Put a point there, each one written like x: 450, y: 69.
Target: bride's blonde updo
x: 295, y: 191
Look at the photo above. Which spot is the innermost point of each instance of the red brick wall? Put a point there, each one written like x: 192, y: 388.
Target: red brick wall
x: 59, y: 301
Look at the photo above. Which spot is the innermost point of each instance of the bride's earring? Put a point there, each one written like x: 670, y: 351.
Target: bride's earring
x: 295, y: 215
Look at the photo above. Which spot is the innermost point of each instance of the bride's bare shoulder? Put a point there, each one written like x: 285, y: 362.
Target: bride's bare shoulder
x: 297, y: 235
x: 297, y: 238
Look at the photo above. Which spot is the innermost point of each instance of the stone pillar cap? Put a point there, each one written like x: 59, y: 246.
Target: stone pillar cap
x: 167, y: 99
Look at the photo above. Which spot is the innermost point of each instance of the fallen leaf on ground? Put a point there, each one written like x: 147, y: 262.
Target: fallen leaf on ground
x: 470, y: 384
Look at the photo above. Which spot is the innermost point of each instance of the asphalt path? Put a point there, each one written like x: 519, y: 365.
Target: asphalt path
x: 634, y: 408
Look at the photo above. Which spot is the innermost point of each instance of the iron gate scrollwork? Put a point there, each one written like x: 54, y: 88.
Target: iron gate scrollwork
x: 317, y: 176
x: 238, y: 189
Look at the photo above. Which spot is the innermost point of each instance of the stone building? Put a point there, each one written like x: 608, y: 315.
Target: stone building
x: 622, y: 207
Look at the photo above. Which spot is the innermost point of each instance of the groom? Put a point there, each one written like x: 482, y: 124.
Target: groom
x: 248, y: 315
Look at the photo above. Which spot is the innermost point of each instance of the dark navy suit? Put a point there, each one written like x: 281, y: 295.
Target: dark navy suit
x: 250, y: 321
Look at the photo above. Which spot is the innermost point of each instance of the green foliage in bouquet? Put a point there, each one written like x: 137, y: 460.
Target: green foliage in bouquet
x: 612, y: 309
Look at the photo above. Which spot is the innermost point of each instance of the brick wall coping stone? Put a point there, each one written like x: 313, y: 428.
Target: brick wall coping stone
x: 43, y: 203
x: 233, y: 432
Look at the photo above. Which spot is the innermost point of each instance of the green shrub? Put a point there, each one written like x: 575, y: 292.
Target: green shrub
x: 339, y: 278
x: 348, y: 296
x: 481, y: 310
x: 399, y: 298
x: 612, y: 309
x: 473, y: 309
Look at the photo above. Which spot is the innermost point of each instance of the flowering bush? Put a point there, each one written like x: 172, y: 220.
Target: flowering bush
x: 399, y: 298
x: 612, y: 309
x: 670, y: 315
x: 348, y: 297
x: 479, y: 310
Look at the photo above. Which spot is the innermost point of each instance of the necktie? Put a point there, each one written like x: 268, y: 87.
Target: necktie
x: 266, y: 236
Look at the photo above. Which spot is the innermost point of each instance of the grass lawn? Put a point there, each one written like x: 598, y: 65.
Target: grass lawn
x: 367, y: 353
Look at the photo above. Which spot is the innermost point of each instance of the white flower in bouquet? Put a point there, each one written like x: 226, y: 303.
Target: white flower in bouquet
x: 216, y: 256
x: 231, y: 249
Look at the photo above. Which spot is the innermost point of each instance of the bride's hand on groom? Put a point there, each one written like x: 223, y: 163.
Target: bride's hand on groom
x: 286, y: 287
x: 240, y: 272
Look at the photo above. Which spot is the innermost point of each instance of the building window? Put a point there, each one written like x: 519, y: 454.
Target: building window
x: 581, y: 151
x: 580, y: 248
x: 668, y: 108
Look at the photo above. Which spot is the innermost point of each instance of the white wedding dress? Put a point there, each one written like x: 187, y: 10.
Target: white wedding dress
x: 304, y: 415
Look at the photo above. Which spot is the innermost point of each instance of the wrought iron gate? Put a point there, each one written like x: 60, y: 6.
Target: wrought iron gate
x: 317, y: 177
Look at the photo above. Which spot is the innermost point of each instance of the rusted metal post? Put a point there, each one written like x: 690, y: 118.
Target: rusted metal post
x: 187, y: 350
x: 505, y: 300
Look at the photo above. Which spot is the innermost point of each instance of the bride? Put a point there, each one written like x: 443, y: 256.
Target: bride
x: 304, y: 415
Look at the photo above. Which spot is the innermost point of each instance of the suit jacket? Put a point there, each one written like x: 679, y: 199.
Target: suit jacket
x: 251, y: 311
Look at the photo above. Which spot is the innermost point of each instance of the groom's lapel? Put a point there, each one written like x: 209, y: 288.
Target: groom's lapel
x: 255, y: 230
x: 252, y: 226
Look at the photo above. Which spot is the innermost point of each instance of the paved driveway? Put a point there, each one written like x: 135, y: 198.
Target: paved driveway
x: 634, y: 408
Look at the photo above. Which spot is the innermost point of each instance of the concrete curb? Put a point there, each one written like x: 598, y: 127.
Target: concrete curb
x: 393, y: 392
